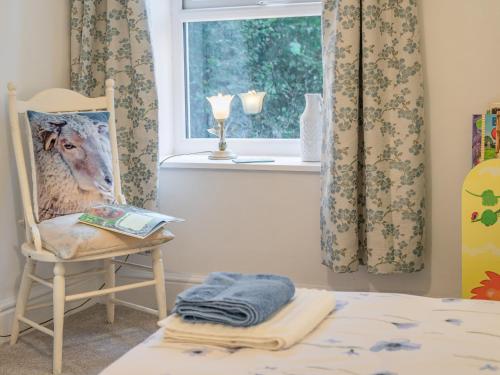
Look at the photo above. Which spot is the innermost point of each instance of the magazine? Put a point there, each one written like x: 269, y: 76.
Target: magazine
x: 124, y: 219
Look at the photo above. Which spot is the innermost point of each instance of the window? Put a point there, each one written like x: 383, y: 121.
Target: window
x: 272, y: 47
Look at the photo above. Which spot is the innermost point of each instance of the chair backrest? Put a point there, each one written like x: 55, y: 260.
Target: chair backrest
x: 57, y: 100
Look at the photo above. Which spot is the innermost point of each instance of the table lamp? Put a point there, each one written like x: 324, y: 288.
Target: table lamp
x: 252, y: 101
x: 221, y: 108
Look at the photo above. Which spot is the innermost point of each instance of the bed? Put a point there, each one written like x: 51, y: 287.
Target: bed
x: 368, y: 333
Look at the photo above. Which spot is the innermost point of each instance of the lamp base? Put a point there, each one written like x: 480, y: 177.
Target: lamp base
x: 222, y: 155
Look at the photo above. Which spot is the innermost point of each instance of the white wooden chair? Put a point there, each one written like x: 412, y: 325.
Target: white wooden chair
x: 62, y: 100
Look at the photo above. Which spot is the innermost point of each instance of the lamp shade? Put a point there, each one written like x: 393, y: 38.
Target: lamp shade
x: 221, y: 106
x: 252, y: 101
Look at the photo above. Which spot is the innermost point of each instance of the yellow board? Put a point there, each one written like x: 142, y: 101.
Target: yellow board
x: 481, y: 232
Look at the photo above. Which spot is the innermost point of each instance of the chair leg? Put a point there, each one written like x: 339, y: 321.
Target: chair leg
x: 159, y: 275
x: 110, y: 283
x: 22, y: 298
x: 59, y: 295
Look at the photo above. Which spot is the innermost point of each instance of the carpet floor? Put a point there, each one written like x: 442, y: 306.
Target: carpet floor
x: 90, y: 344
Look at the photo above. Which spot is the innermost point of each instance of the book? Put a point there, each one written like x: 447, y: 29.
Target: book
x: 495, y: 109
x: 248, y: 160
x: 489, y: 136
x: 486, y: 135
x: 124, y: 219
x: 477, y: 123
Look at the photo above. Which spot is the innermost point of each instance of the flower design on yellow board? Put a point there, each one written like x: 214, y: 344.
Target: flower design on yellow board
x: 489, y: 198
x: 488, y: 217
x: 490, y: 288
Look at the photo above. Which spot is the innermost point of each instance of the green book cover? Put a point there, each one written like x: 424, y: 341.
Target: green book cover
x: 490, y: 137
x: 124, y: 219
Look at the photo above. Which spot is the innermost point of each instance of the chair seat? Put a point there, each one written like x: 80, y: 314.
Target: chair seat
x: 68, y: 239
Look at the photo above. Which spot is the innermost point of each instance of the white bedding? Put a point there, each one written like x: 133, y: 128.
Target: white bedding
x: 368, y: 333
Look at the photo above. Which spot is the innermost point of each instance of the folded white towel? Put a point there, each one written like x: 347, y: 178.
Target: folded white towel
x: 292, y: 323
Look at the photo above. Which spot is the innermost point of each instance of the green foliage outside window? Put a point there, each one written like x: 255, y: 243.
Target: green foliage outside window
x: 281, y: 56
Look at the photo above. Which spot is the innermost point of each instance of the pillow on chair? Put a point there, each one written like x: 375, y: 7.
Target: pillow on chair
x: 71, y: 162
x: 68, y: 239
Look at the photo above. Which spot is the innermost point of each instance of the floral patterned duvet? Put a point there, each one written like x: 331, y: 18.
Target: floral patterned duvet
x: 368, y: 333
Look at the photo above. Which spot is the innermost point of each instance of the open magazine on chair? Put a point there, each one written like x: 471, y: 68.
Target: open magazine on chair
x: 124, y: 219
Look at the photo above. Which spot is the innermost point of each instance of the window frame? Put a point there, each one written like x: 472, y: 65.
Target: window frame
x: 241, y: 146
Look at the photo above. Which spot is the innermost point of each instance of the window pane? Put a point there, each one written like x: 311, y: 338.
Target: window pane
x: 281, y: 56
x: 203, y: 4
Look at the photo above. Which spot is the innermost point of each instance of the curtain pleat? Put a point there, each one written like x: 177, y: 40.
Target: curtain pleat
x: 110, y: 39
x: 372, y: 172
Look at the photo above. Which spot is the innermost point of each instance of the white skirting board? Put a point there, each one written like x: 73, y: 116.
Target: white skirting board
x: 41, y: 294
x: 175, y: 283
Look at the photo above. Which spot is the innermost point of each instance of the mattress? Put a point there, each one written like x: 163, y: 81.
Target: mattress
x: 368, y: 333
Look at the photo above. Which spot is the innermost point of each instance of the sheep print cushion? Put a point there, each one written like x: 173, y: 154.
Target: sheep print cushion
x: 70, y: 161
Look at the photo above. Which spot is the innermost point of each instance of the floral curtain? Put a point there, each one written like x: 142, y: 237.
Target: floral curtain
x: 372, y: 188
x: 110, y: 39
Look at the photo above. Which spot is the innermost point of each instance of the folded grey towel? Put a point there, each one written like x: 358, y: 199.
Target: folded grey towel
x: 235, y: 299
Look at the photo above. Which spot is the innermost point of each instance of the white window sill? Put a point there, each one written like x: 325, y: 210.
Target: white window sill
x: 281, y: 163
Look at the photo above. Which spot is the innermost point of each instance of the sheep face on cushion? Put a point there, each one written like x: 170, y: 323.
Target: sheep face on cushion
x: 86, y: 154
x: 72, y: 156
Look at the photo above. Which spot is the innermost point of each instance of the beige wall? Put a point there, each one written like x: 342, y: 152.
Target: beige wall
x: 34, y: 46
x: 461, y: 64
x: 264, y: 221
x: 268, y: 222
